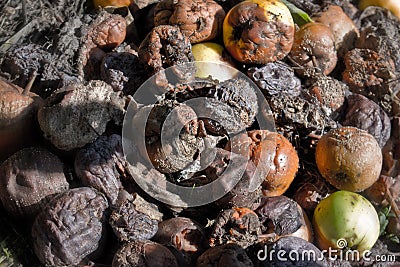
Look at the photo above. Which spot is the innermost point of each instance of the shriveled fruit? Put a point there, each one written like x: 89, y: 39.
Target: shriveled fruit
x: 281, y: 216
x: 237, y: 225
x: 258, y: 31
x: 346, y: 220
x: 226, y: 255
x: 144, y: 253
x: 349, y: 158
x: 29, y: 179
x: 70, y: 227
x: 199, y: 20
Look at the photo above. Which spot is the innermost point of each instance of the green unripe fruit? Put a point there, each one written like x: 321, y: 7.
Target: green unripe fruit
x: 346, y: 219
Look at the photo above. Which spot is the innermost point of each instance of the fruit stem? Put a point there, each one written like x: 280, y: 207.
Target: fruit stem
x: 28, y: 87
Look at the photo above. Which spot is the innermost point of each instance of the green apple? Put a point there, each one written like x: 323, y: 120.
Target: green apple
x: 346, y: 220
x: 212, y: 59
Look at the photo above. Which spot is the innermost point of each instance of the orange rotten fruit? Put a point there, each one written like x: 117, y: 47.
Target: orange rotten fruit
x: 273, y: 154
x: 113, y: 3
x: 258, y: 31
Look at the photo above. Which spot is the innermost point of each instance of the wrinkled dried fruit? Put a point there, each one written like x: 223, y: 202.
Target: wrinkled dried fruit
x: 181, y: 147
x: 378, y: 32
x: 144, y: 253
x: 108, y: 31
x: 230, y: 165
x: 123, y: 71
x: 349, y: 158
x: 329, y: 92
x: 129, y: 224
x: 281, y: 216
x: 237, y: 225
x: 70, y: 227
x: 233, y: 98
x: 275, y: 78
x: 29, y: 179
x: 101, y: 164
x: 76, y: 115
x: 293, y: 114
x: 184, y: 235
x: 230, y: 255
x: 370, y: 74
x: 166, y: 46
x: 367, y: 115
x: 199, y: 20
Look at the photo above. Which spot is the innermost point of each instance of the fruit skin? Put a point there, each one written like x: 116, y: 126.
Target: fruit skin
x: 392, y: 5
x: 346, y: 215
x: 213, y: 53
x: 343, y: 28
x: 258, y: 31
x: 314, y: 47
x: 18, y: 123
x: 273, y: 155
x: 349, y: 158
x: 113, y: 3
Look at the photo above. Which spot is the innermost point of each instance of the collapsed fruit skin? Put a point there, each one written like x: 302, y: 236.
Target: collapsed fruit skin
x: 346, y: 216
x: 258, y: 31
x: 349, y: 158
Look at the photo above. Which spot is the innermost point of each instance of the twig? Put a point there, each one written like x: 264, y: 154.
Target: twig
x: 24, y: 16
x: 28, y: 87
x: 391, y: 200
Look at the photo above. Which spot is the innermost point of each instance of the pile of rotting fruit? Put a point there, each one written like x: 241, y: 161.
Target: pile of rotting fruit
x: 325, y: 174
